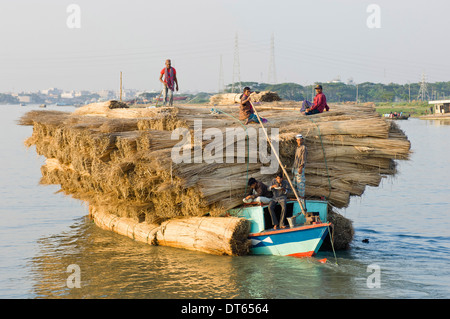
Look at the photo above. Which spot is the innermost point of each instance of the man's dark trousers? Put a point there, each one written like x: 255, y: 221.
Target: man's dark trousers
x: 272, y: 205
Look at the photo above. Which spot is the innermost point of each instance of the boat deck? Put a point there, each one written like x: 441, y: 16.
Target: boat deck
x: 261, y: 221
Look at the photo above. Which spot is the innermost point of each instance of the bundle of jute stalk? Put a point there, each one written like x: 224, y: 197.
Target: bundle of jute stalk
x: 213, y: 235
x: 152, y: 165
x: 233, y: 98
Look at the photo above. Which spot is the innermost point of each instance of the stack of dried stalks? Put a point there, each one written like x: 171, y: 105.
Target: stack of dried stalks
x: 213, y: 235
x: 233, y: 98
x: 119, y: 159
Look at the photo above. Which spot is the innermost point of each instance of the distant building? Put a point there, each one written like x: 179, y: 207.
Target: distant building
x: 107, y: 94
x: 441, y: 106
x: 82, y: 93
x: 52, y: 92
x: 68, y: 95
x: 24, y: 98
x: 336, y: 80
x: 130, y: 93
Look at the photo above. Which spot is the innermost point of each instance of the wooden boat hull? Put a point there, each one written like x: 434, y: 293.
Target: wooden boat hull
x: 301, y: 241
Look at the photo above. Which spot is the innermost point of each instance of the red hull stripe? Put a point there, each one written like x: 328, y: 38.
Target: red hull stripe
x: 305, y: 254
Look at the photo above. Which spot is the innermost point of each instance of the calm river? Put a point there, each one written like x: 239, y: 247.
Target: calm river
x: 406, y: 220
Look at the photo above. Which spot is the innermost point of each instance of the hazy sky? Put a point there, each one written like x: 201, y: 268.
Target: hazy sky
x: 315, y: 41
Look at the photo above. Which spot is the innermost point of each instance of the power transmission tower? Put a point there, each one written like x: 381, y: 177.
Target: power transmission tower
x: 423, y: 91
x: 236, y: 66
x: 221, y: 82
x: 357, y: 94
x: 409, y: 92
x: 272, y: 76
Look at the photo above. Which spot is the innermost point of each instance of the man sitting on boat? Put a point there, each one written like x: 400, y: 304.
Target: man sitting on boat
x: 258, y: 192
x: 279, y: 188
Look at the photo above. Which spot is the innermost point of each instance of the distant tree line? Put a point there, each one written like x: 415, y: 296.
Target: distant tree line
x: 340, y: 92
x: 8, y: 99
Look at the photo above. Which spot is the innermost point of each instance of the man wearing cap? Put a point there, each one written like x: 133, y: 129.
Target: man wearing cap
x: 246, y: 112
x: 258, y: 192
x: 170, y: 79
x: 320, y: 102
x: 298, y: 170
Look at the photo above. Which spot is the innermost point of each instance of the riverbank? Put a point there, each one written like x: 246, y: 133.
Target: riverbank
x: 414, y: 109
x: 440, y: 117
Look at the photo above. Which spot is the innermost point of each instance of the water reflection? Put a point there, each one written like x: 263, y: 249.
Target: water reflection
x: 113, y: 266
x: 438, y: 122
x: 116, y: 267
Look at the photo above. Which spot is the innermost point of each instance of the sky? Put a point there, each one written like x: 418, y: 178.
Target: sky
x: 47, y: 44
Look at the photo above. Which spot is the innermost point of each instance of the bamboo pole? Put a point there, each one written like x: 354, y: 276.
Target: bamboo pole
x: 279, y: 161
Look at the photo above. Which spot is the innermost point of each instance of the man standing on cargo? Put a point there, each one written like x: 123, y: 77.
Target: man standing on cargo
x: 320, y: 103
x: 298, y: 170
x: 279, y: 188
x: 170, y: 78
x: 246, y: 112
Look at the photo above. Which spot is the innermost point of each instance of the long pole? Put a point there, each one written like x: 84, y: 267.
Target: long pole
x: 120, y: 86
x: 279, y: 161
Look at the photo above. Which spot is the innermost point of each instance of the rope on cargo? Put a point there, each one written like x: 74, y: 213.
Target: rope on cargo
x: 332, y: 245
x: 111, y: 220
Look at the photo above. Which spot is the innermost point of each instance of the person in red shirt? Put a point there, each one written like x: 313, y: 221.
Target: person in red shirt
x: 320, y: 102
x: 170, y: 79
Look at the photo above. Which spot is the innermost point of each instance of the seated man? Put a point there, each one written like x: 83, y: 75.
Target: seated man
x: 258, y: 192
x: 280, y: 188
x: 246, y: 112
x: 320, y: 103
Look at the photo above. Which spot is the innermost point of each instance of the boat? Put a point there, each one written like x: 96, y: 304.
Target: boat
x: 302, y: 238
x: 42, y: 105
x: 400, y: 117
x: 397, y: 116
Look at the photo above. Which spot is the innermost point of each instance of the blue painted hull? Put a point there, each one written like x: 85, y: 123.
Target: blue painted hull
x: 301, y: 241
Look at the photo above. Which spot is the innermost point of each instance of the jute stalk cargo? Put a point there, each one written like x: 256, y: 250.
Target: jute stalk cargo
x: 119, y: 161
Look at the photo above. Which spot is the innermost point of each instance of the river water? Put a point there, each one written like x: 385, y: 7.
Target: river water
x: 406, y: 221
